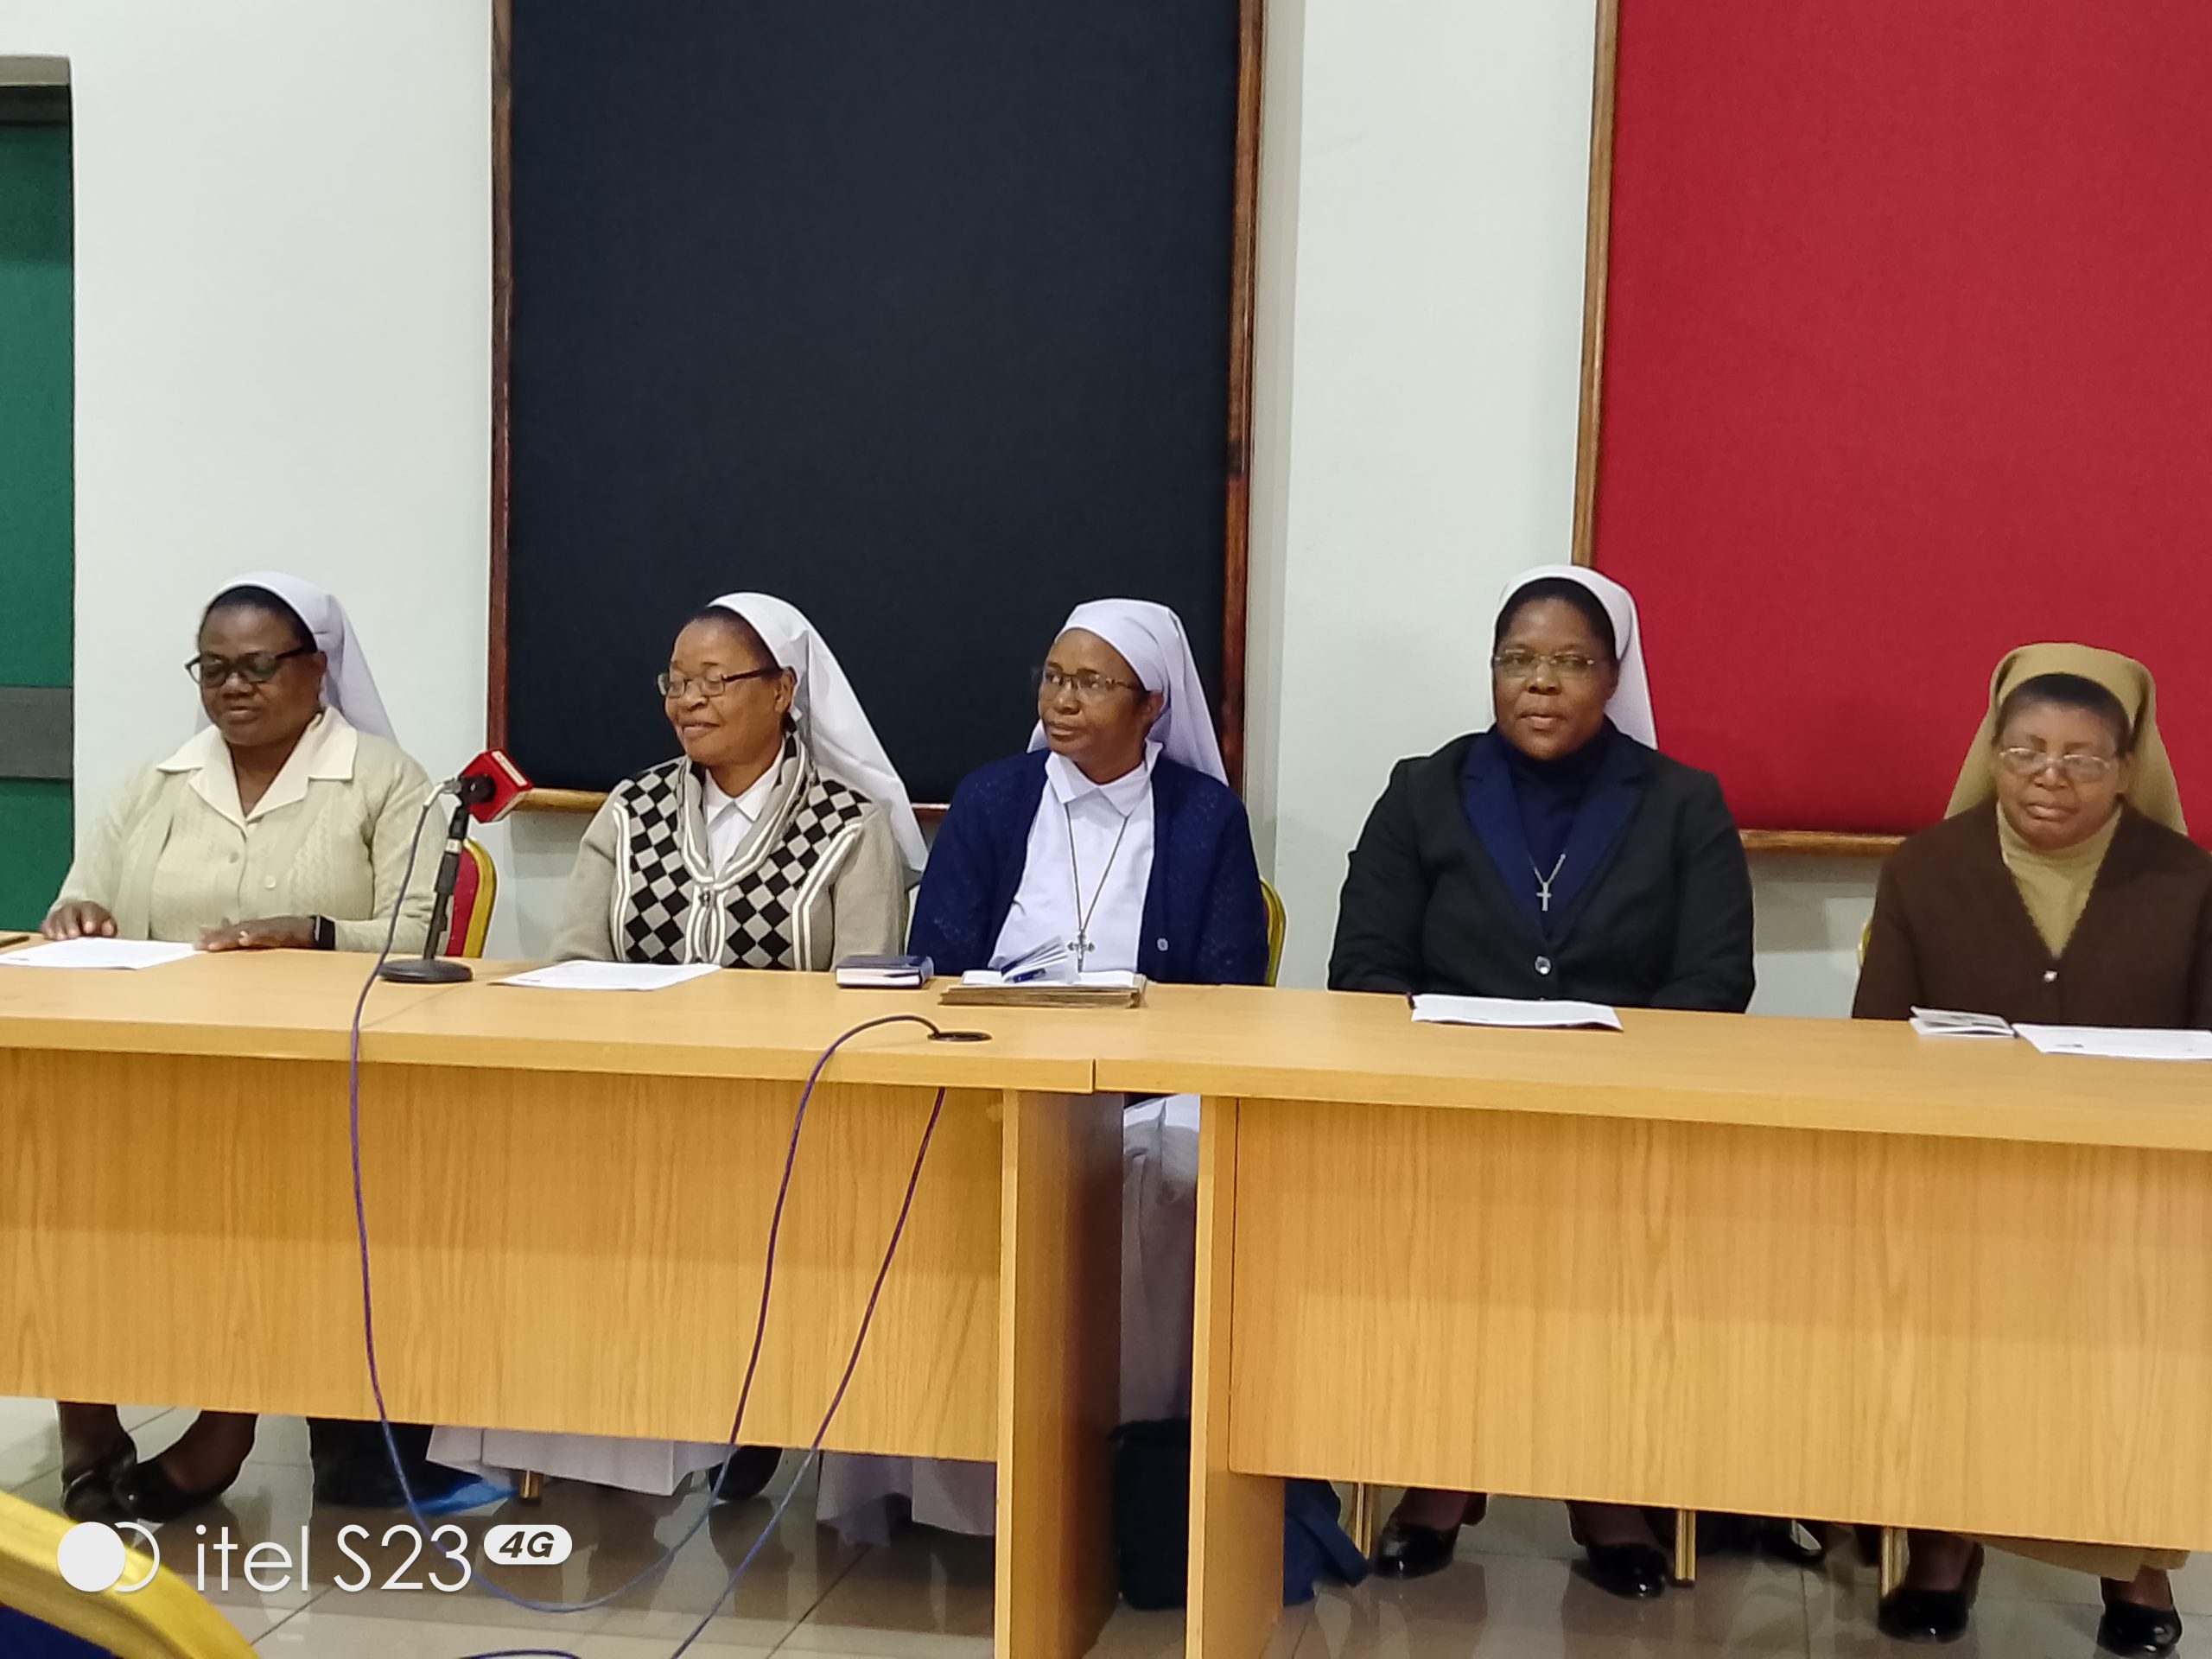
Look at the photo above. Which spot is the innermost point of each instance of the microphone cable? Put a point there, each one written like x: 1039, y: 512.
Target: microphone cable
x: 760, y: 1327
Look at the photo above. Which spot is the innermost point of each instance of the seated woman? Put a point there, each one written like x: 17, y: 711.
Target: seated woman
x: 286, y: 823
x: 1555, y: 854
x: 1117, y: 835
x: 2062, y: 890
x: 781, y: 838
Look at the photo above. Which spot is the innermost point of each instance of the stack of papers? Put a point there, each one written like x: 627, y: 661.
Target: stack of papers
x: 1507, y: 1011
x: 1945, y: 1022
x: 98, y: 953
x: 988, y: 987
x: 2115, y: 1043
x: 610, y: 976
x: 1051, y: 962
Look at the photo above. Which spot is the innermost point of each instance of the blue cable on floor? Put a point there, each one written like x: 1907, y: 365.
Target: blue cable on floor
x: 760, y: 1327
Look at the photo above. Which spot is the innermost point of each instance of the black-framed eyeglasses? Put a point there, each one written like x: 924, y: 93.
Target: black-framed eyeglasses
x: 673, y: 686
x: 254, y: 668
x: 1088, y: 687
x: 2077, y: 768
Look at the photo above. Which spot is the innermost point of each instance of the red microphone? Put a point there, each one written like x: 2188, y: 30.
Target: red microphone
x: 486, y: 789
x: 489, y: 786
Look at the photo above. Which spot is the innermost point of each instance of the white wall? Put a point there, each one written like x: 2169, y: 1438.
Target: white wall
x: 283, y: 257
x: 1425, y: 166
x: 283, y: 359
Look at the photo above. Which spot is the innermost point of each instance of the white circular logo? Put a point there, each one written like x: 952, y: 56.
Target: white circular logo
x: 91, y: 1556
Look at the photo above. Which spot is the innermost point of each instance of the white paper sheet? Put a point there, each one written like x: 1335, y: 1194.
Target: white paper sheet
x: 1949, y: 1023
x: 1507, y: 1011
x: 2119, y: 1043
x: 108, y: 954
x: 610, y: 976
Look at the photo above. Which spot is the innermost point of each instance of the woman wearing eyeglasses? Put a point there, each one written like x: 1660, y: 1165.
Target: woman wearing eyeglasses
x: 1555, y: 854
x: 286, y: 823
x: 780, y: 838
x: 2062, y: 890
x: 1117, y: 838
x: 1116, y: 835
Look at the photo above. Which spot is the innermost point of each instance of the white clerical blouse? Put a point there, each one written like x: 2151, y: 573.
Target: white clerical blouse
x: 730, y: 818
x: 1073, y: 869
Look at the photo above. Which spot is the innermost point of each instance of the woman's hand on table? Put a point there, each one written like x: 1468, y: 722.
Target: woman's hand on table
x: 80, y: 918
x: 265, y: 933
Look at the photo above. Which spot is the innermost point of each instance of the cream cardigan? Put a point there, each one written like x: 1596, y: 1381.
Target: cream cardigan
x: 174, y: 854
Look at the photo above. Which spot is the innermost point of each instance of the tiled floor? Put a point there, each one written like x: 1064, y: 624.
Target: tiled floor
x: 1513, y: 1593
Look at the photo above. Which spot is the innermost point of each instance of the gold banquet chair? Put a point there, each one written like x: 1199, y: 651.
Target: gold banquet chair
x: 167, y: 1619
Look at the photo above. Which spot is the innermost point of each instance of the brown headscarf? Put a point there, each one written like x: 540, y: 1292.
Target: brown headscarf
x: 2153, y: 793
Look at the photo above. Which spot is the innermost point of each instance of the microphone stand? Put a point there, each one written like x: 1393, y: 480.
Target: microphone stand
x: 431, y: 968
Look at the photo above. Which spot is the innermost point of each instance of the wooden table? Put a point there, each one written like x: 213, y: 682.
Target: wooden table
x: 568, y: 1200
x: 1796, y: 1268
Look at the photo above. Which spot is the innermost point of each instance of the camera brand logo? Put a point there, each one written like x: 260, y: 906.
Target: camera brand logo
x: 93, y: 1558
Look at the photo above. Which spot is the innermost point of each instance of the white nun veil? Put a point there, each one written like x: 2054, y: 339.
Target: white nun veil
x: 835, y: 727
x: 1151, y: 637
x: 1630, y: 708
x: 347, y: 686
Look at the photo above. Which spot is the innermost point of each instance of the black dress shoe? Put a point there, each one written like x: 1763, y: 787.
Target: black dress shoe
x: 1632, y: 1571
x: 1406, y: 1551
x: 749, y: 1469
x: 2128, y: 1627
x: 89, y: 1495
x: 146, y: 1493
x: 1932, y: 1615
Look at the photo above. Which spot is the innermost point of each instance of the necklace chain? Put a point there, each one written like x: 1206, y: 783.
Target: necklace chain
x: 1081, y: 943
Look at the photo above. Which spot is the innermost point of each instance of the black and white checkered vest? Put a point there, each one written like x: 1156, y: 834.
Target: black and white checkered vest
x: 671, y: 906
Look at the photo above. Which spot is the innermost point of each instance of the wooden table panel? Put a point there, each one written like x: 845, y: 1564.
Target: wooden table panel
x: 2010, y: 1337
x: 552, y: 1251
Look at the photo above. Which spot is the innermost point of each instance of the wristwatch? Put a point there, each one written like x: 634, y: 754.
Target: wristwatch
x: 326, y: 933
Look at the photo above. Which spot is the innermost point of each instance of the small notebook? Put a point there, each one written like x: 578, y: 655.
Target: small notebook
x: 883, y: 973
x: 1540, y: 1015
x: 1949, y: 1023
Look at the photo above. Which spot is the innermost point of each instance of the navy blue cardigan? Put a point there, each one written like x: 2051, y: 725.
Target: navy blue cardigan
x: 1204, y: 921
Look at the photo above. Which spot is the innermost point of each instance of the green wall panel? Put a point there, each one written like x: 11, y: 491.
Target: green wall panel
x: 34, y: 849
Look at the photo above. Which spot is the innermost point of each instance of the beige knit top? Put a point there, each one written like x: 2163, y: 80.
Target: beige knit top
x: 175, y: 853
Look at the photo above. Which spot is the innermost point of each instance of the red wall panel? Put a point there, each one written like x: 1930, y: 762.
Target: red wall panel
x: 1908, y: 360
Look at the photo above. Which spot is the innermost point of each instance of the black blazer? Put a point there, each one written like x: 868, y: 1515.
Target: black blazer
x: 1664, y: 922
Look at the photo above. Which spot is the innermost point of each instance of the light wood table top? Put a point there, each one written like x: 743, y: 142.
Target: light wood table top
x: 1873, y: 1077
x: 299, y: 1005
x: 277, y: 1005
x: 1227, y: 1041
x: 771, y: 1027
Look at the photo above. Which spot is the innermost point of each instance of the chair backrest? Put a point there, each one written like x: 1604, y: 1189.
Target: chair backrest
x: 474, y: 889
x: 1277, y: 921
x: 167, y: 1619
